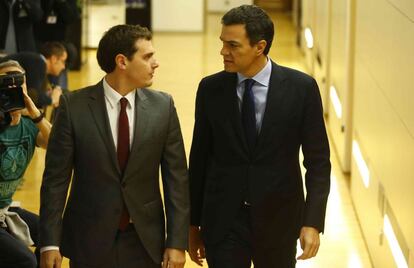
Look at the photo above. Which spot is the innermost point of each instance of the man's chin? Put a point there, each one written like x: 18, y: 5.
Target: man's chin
x: 144, y: 85
x: 229, y: 69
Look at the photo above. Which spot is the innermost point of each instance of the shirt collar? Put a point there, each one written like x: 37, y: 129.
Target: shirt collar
x: 43, y: 57
x: 261, y: 77
x: 113, y: 97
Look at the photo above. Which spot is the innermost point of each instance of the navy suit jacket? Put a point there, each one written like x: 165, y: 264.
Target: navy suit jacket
x: 222, y: 167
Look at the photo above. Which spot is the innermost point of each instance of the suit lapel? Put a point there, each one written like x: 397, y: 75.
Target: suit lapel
x: 142, y: 115
x: 273, y: 104
x: 230, y: 88
x: 99, y: 113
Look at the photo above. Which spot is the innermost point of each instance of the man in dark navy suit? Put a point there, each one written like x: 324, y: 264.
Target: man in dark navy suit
x: 251, y: 120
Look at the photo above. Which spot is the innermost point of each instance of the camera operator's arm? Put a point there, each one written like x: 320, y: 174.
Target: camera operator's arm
x: 42, y: 124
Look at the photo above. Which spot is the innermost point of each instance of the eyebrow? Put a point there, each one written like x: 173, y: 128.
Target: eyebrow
x: 149, y: 54
x: 230, y: 41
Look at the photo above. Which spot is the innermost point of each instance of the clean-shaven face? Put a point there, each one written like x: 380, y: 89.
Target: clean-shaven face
x: 140, y: 69
x: 238, y: 54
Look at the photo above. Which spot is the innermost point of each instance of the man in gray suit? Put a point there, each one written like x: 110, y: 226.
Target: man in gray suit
x: 115, y: 136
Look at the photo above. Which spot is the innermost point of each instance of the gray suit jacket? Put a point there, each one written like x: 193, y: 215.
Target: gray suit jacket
x: 81, y: 142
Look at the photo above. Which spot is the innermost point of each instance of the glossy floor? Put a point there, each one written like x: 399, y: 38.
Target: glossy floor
x: 184, y: 59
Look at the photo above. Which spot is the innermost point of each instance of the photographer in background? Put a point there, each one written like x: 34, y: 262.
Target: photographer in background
x: 22, y: 127
x: 39, y: 67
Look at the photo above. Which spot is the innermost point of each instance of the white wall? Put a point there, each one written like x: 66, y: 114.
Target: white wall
x: 178, y: 15
x: 384, y: 121
x: 307, y: 21
x: 169, y: 16
x: 371, y: 65
x: 321, y: 51
x: 225, y: 5
x: 101, y: 17
x: 406, y: 7
x: 341, y: 77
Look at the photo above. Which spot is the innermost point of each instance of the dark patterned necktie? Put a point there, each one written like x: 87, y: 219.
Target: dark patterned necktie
x: 248, y: 114
x: 123, y: 153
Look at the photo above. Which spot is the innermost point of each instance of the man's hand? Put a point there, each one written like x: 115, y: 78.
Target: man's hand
x: 50, y: 259
x: 55, y: 95
x: 196, y: 246
x: 173, y: 258
x: 309, y: 242
x: 31, y: 109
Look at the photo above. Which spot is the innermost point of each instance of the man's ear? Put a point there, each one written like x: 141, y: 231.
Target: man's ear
x: 121, y: 61
x: 261, y: 45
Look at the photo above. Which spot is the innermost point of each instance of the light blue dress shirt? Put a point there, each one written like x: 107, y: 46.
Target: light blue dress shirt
x: 260, y: 89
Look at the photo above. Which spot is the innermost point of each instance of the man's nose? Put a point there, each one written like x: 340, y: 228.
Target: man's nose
x: 224, y: 51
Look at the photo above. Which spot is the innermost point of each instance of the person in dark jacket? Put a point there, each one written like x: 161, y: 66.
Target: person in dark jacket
x: 39, y: 66
x: 58, y: 14
x: 16, y: 25
x: 251, y: 121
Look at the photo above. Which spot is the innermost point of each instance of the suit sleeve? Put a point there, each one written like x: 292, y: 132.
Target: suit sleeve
x: 175, y: 181
x: 315, y: 147
x: 199, y: 157
x: 56, y: 177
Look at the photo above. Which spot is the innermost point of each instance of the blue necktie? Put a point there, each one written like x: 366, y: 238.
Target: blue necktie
x: 248, y: 114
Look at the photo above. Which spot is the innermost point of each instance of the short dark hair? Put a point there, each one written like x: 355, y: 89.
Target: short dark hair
x: 119, y: 39
x: 258, y: 24
x: 50, y: 49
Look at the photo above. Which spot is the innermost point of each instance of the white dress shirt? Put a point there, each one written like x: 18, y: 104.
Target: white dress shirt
x: 113, y: 107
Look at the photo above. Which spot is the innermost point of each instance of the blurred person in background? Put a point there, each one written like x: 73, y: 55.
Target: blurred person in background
x: 51, y: 62
x: 58, y: 15
x: 16, y: 25
x: 21, y: 129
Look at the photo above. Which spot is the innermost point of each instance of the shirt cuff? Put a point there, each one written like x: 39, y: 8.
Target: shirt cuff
x: 48, y: 248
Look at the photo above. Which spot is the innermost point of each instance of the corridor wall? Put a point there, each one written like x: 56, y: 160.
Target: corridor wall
x: 384, y: 129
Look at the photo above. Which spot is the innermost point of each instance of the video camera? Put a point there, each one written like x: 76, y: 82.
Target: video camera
x: 11, y: 92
